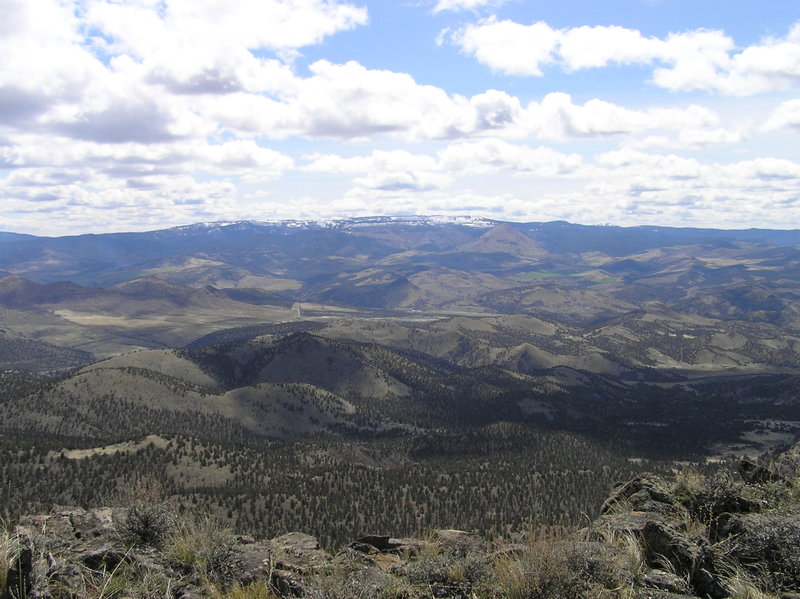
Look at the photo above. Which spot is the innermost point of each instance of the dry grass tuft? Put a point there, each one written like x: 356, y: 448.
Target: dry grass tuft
x: 201, y: 545
x: 557, y: 566
x: 9, y: 547
x: 741, y: 585
x: 689, y: 484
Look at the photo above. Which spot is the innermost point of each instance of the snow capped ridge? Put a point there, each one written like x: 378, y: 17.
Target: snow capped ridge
x: 340, y: 223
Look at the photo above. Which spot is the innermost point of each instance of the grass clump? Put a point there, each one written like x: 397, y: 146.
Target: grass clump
x: 689, y: 485
x: 128, y: 581
x: 256, y: 590
x: 558, y: 566
x: 742, y: 585
x: 9, y: 547
x: 203, y: 546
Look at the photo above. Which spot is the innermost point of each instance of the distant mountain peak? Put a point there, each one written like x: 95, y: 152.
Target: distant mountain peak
x: 342, y: 222
x: 506, y: 238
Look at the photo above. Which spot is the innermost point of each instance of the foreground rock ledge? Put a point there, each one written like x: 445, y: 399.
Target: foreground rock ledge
x: 655, y: 539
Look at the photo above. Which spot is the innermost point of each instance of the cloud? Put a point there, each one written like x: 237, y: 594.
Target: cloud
x: 693, y: 60
x: 384, y: 173
x: 209, y: 46
x: 142, y: 28
x: 401, y: 169
x: 99, y: 203
x: 493, y: 155
x: 692, y: 139
x: 349, y: 101
x: 86, y: 67
x: 42, y: 61
x: 629, y: 186
x: 625, y: 186
x: 785, y: 116
x: 119, y: 119
x: 460, y: 5
x: 143, y: 113
x: 509, y: 47
x: 148, y: 72
x: 557, y: 117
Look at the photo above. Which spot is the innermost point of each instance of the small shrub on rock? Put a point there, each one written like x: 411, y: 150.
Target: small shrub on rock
x: 147, y: 524
x: 449, y: 568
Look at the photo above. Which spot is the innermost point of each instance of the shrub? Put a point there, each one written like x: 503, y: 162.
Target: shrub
x: 708, y: 497
x: 448, y: 567
x: 147, y: 524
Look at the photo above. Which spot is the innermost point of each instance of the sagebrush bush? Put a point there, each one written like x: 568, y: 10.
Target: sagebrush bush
x: 148, y: 524
x: 708, y: 497
x: 449, y: 567
x: 357, y: 584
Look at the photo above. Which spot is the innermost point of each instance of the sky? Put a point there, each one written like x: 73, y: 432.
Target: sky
x: 131, y: 115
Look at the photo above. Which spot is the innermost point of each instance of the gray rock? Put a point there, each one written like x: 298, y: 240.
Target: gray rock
x: 666, y: 581
x: 632, y: 522
x: 753, y: 474
x: 298, y: 552
x: 386, y: 544
x: 768, y: 542
x: 255, y: 562
x: 689, y: 557
x: 643, y: 493
x: 287, y: 584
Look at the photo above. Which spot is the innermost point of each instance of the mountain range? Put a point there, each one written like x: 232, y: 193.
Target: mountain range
x: 390, y: 325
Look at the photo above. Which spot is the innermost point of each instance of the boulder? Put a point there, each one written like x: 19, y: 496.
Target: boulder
x: 385, y: 544
x: 753, y: 474
x: 298, y: 552
x: 689, y: 557
x: 763, y: 542
x: 666, y: 581
x: 287, y: 584
x: 643, y: 493
x: 253, y: 563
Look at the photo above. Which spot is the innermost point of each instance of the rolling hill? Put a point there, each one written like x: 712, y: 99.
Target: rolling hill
x: 366, y: 326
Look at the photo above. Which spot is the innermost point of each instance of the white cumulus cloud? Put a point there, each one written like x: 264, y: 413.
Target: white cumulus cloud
x: 459, y: 5
x: 785, y: 116
x: 691, y: 60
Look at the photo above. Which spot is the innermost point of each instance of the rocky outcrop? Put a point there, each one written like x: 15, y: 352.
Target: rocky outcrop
x: 76, y: 553
x: 698, y: 537
x: 710, y: 532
